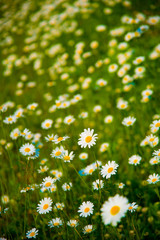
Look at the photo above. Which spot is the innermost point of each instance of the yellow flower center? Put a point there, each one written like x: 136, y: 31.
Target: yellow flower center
x: 32, y: 107
x: 91, y: 170
x: 16, y: 134
x: 110, y: 169
x: 45, y: 206
x: 157, y: 124
x: 122, y: 105
x: 86, y: 209
x: 88, y: 230
x: 56, y: 224
x: 48, y: 184
x: 88, y: 139
x: 154, y: 179
x: 10, y: 119
x: 66, y: 158
x: 129, y: 122
x: 130, y: 208
x: 135, y: 160
x: 58, y: 104
x: 27, y: 150
x: 115, y: 210
x: 60, y: 139
x: 69, y: 120
x: 155, y: 161
x: 72, y: 224
x: 32, y: 234
x: 51, y: 138
x: 57, y: 153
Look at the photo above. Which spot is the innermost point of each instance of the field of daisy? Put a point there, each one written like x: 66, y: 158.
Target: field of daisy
x: 79, y: 120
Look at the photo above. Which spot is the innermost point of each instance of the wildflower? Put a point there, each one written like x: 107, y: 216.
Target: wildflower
x: 27, y: 149
x: 152, y: 140
x: 132, y: 207
x: 50, y: 138
x: 114, y: 209
x: 66, y: 186
x: 72, y: 223
x: 43, y: 169
x: 59, y: 206
x: 153, y: 178
x: 122, y: 104
x: 83, y: 156
x: 87, y: 138
x: 112, y: 67
x: 109, y: 169
x: 69, y: 119
x: 101, y: 82
x: 135, y: 160
x: 55, y: 222
x: 121, y: 185
x: 97, y: 109
x: 47, y: 182
x: 60, y: 139
x: 129, y: 121
x: 67, y: 157
x: 57, y: 152
x: 5, y: 199
x: 9, y: 120
x: 47, y: 124
x: 44, y: 206
x: 88, y: 229
x: 98, y: 184
x: 156, y: 153
x: 104, y: 147
x: 83, y: 115
x: 108, y: 119
x: 138, y: 60
x: 86, y: 209
x: 154, y: 160
x: 32, y: 106
x: 32, y: 233
x: 15, y: 133
x: 89, y: 169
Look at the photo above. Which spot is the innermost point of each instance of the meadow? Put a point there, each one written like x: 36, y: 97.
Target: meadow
x: 79, y: 120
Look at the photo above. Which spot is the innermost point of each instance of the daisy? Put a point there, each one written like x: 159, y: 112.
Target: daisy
x: 69, y: 119
x: 109, y: 169
x: 138, y: 60
x: 44, y: 206
x: 55, y: 222
x: 100, y: 28
x: 135, y: 160
x: 104, y: 147
x: 98, y: 184
x: 121, y: 185
x: 154, y: 160
x: 147, y: 93
x: 59, y: 139
x: 43, y: 161
x: 53, y: 188
x: 32, y: 233
x: 112, y: 67
x: 97, y: 109
x: 114, y: 209
x: 5, y: 199
x: 9, y: 120
x: 72, y: 223
x: 152, y: 140
x: 47, y: 182
x: 156, y: 153
x: 25, y: 132
x: 47, y: 124
x: 156, y: 123
x: 132, y: 207
x: 19, y: 113
x: 83, y: 115
x: 27, y: 149
x: 122, y: 104
x: 129, y: 121
x: 87, y: 138
x: 83, y: 156
x: 43, y: 169
x: 59, y: 206
x: 15, y: 133
x: 50, y: 138
x: 139, y: 70
x: 32, y: 106
x: 67, y: 157
x: 89, y: 169
x: 108, y: 119
x: 66, y: 186
x: 88, y: 229
x: 101, y: 82
x: 86, y: 209
x: 153, y: 178
x: 57, y: 152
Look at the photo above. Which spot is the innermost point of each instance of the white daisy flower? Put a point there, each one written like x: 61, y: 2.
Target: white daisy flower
x: 32, y: 233
x: 121, y: 185
x: 156, y: 153
x: 86, y: 209
x: 153, y: 178
x: 88, y: 229
x: 87, y: 138
x: 101, y: 82
x: 112, y: 67
x: 122, y: 104
x: 72, y: 223
x: 50, y: 138
x: 47, y: 182
x: 108, y: 119
x: 98, y: 184
x: 58, y: 152
x: 27, y: 149
x: 9, y: 120
x: 89, y: 169
x: 32, y: 106
x: 59, y: 206
x: 47, y: 124
x: 59, y: 139
x: 55, y: 222
x: 83, y: 156
x: 114, y: 209
x: 66, y: 186
x: 15, y: 133
x: 104, y: 147
x: 135, y: 160
x: 154, y: 160
x: 44, y: 206
x: 109, y: 169
x: 67, y: 157
x: 69, y: 119
x: 132, y: 207
x: 129, y: 121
